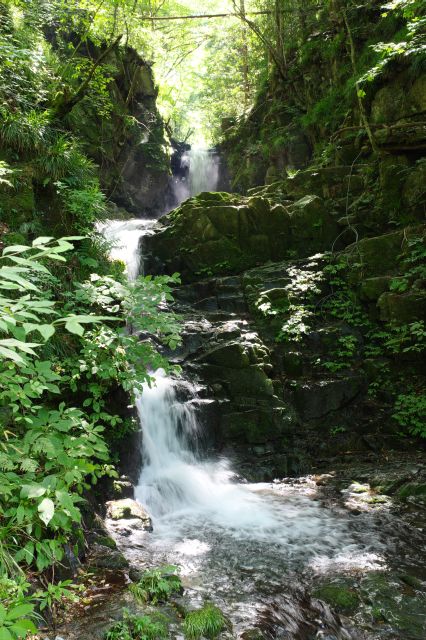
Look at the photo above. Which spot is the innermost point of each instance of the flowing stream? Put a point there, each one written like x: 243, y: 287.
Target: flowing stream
x: 256, y: 550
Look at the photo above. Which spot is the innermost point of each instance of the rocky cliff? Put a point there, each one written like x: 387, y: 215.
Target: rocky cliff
x: 303, y: 323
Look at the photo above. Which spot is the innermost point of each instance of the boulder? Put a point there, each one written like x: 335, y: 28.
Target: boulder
x: 128, y: 509
x: 401, y: 98
x: 377, y: 256
x: 103, y: 557
x: 372, y: 288
x: 312, y: 226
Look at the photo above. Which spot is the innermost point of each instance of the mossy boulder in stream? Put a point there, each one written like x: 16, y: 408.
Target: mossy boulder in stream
x: 217, y: 233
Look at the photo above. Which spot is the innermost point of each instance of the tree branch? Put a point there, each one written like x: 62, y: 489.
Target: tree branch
x: 65, y: 107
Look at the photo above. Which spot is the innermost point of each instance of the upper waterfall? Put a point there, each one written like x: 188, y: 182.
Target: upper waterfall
x: 199, y: 172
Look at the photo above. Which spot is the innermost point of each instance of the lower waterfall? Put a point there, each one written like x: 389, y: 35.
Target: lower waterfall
x: 249, y: 548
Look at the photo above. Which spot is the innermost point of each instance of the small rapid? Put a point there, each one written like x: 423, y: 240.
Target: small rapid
x: 182, y: 490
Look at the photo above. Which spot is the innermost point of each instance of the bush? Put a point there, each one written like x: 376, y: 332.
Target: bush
x: 137, y: 628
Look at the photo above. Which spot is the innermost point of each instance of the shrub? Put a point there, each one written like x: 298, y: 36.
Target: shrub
x: 137, y: 628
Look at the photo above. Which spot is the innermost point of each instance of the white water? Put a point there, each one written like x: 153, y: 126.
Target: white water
x: 187, y: 495
x: 203, y: 174
x: 125, y: 237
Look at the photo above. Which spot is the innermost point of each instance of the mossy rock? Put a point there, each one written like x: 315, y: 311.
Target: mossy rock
x: 340, y: 597
x: 312, y: 227
x: 402, y: 308
x: 250, y: 381
x: 375, y: 256
x: 104, y: 557
x: 372, y: 288
x: 388, y: 600
x: 105, y: 541
x: 255, y: 426
x: 231, y: 355
x: 126, y: 509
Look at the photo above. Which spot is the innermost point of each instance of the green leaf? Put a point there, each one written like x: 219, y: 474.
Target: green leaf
x: 20, y: 611
x: 22, y: 627
x: 46, y: 509
x: 46, y: 330
x: 73, y: 327
x: 42, y: 240
x: 5, y: 634
x: 32, y: 491
x: 16, y: 248
x: 11, y: 355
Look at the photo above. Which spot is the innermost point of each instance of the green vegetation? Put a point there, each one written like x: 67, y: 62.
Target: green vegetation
x: 134, y: 627
x: 339, y: 596
x: 207, y: 622
x: 157, y: 585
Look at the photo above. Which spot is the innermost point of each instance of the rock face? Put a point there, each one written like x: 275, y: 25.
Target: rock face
x: 134, y: 164
x: 281, y: 356
x: 221, y: 233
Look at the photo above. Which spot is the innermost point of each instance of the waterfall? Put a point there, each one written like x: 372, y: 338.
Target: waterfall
x: 200, y: 171
x: 203, y: 171
x: 175, y: 480
x: 125, y: 236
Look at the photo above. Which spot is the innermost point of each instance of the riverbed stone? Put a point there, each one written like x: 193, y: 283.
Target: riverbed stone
x: 128, y: 509
x: 341, y: 597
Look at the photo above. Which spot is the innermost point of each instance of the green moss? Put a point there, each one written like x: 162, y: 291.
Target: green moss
x: 340, y: 597
x: 106, y: 541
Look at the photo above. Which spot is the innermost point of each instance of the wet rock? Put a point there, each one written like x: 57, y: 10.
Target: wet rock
x: 340, y: 597
x: 128, y: 509
x: 389, y: 603
x: 103, y: 541
x: 123, y: 488
x: 103, y: 557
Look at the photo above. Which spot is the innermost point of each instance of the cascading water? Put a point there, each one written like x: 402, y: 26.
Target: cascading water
x: 250, y: 543
x: 124, y: 236
x: 201, y: 173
